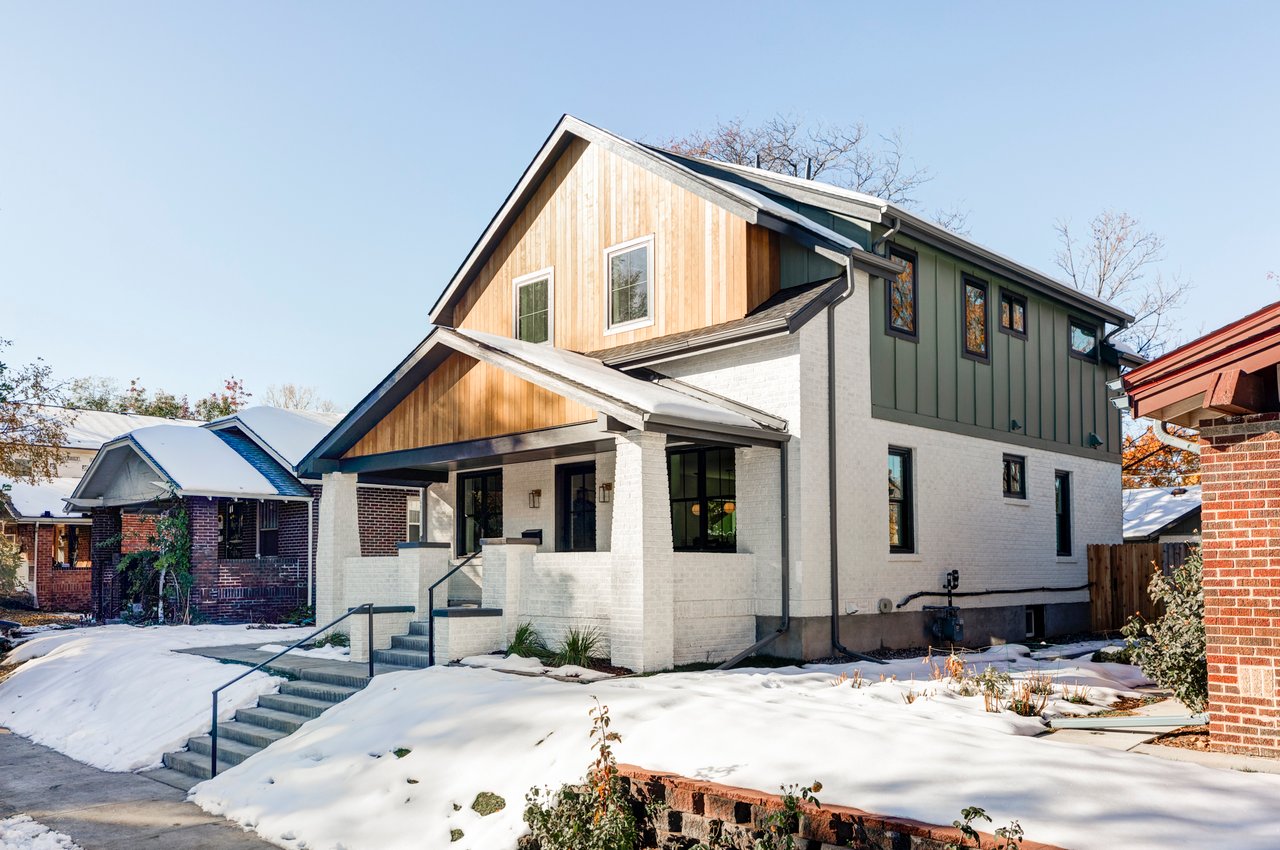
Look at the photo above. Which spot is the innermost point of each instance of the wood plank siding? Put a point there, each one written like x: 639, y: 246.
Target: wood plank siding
x: 464, y: 399
x: 710, y: 266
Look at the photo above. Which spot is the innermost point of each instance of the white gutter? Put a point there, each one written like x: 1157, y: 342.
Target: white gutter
x: 1180, y: 443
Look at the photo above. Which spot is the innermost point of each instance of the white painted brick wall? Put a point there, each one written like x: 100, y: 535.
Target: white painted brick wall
x: 715, y: 608
x: 460, y: 637
x: 565, y: 590
x: 337, y: 538
x: 400, y: 579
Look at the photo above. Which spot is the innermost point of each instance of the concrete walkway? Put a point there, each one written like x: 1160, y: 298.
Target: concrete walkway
x: 292, y: 664
x: 107, y: 811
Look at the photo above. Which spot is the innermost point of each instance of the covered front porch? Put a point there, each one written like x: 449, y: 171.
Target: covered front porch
x: 660, y: 531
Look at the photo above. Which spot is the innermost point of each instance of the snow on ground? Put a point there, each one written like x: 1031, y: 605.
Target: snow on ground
x: 330, y: 652
x: 117, y: 698
x: 520, y: 664
x: 337, y: 781
x: 22, y: 833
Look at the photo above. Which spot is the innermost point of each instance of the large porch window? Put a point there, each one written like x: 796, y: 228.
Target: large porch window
x: 576, y: 507
x: 703, y: 499
x: 479, y: 508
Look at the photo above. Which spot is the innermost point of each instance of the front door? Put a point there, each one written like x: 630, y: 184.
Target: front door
x: 479, y: 508
x: 576, y: 507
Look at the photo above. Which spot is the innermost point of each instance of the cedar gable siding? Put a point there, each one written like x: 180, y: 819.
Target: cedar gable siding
x: 710, y: 266
x: 464, y: 399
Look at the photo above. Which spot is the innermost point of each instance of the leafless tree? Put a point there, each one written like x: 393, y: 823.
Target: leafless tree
x: 845, y: 155
x: 295, y: 397
x: 1116, y: 261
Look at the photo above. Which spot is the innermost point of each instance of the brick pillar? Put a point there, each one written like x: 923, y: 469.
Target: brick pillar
x: 506, y: 562
x: 642, y: 627
x: 1240, y: 463
x: 202, y: 518
x: 337, y: 538
x: 106, y: 597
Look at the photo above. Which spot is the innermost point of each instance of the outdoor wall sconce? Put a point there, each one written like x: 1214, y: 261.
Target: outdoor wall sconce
x: 535, y: 498
x: 1094, y: 440
x: 1015, y: 425
x: 606, y: 493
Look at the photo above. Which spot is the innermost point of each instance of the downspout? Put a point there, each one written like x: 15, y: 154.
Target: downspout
x: 311, y: 550
x: 784, y: 551
x: 833, y: 497
x: 1174, y: 441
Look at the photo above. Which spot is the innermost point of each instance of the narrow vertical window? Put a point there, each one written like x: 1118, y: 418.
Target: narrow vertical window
x: 479, y: 509
x: 1084, y: 341
x: 901, y: 298
x: 576, y: 507
x: 1062, y: 511
x: 413, y: 519
x: 1013, y: 314
x: 901, y: 524
x: 533, y: 309
x: 629, y: 274
x: 976, y: 343
x: 268, y: 529
x: 704, y: 506
x: 1015, y: 477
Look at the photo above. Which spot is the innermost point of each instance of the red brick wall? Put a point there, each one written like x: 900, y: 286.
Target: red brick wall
x: 383, y: 517
x: 1240, y: 463
x: 61, y: 588
x: 247, y: 589
x: 105, y: 588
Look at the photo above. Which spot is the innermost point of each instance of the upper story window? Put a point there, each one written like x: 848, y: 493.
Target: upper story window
x: 533, y: 306
x: 901, y: 300
x: 413, y: 519
x: 1013, y: 314
x: 977, y: 342
x: 1084, y: 341
x: 1015, y: 477
x: 901, y: 509
x: 629, y: 275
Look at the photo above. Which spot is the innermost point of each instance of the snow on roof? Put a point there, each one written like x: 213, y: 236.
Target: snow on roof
x: 289, y: 433
x: 767, y: 204
x: 1147, y: 510
x: 89, y: 429
x: 32, y: 501
x: 599, y: 379
x: 197, y: 460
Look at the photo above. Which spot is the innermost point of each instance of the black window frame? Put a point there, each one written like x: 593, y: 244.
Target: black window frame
x: 1021, y: 462
x: 899, y: 253
x: 966, y: 281
x: 702, y: 499
x: 1013, y: 298
x: 460, y: 513
x: 268, y: 534
x: 565, y: 507
x: 1062, y: 513
x: 1083, y: 324
x: 907, y: 514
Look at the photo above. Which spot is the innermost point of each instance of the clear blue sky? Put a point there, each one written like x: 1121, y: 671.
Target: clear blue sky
x: 280, y: 190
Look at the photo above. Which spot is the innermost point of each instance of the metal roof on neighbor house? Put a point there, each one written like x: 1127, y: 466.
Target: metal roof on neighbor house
x: 45, y: 500
x: 1150, y: 510
x: 90, y: 429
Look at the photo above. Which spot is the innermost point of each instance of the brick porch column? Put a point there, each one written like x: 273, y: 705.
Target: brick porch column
x: 1240, y: 460
x: 642, y: 627
x: 506, y: 562
x: 337, y: 538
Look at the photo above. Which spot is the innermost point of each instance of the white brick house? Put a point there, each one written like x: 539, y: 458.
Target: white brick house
x: 660, y: 399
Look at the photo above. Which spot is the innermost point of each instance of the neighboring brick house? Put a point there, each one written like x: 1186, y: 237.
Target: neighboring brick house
x: 1225, y: 384
x: 252, y: 519
x: 699, y: 406
x: 54, y: 540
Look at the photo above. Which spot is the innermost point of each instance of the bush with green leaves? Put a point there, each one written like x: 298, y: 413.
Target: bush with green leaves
x: 594, y: 814
x: 1171, y: 649
x: 11, y: 563
x: 579, y: 647
x: 1007, y: 837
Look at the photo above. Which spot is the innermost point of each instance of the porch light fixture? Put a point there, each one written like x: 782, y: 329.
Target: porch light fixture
x: 606, y: 492
x: 1094, y: 440
x: 1015, y: 425
x: 535, y: 498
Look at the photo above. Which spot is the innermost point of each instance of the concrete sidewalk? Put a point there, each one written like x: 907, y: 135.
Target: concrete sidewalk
x: 107, y: 811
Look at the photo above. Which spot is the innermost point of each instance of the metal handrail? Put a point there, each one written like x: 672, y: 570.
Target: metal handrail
x: 367, y: 607
x: 431, y: 608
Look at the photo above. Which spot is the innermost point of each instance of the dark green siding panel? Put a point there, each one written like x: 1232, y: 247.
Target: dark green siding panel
x: 1072, y: 402
x: 927, y: 347
x: 1044, y: 337
x: 1017, y: 381
x: 1061, y: 389
x: 945, y: 325
x: 1000, y: 356
x: 883, y: 383
x: 904, y: 353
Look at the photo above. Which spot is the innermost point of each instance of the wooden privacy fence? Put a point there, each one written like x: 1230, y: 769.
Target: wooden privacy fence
x: 1118, y: 578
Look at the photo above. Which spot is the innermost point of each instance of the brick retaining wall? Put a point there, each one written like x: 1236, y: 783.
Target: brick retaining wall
x: 690, y: 811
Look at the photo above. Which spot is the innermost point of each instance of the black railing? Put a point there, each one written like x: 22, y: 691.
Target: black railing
x: 431, y: 608
x: 367, y: 608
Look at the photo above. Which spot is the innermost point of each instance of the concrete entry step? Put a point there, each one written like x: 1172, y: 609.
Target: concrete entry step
x: 403, y: 657
x: 249, y: 733
x: 283, y: 721
x: 304, y: 706
x: 325, y: 691
x: 232, y: 752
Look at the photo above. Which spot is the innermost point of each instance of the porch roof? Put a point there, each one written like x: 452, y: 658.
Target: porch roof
x: 35, y: 502
x: 623, y: 401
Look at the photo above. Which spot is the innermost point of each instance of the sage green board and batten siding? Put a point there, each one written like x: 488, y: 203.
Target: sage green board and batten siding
x: 1058, y: 399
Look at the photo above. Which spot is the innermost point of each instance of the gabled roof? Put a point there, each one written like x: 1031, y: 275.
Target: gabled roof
x: 1178, y: 386
x: 1150, y: 510
x: 875, y: 210
x: 45, y: 500
x: 89, y: 429
x: 632, y: 400
x: 287, y: 435
x: 742, y: 201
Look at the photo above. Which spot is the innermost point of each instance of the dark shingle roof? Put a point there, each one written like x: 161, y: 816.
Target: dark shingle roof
x: 279, y: 477
x: 785, y: 310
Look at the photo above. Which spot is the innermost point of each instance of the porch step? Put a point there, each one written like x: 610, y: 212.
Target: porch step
x: 402, y: 657
x: 282, y: 721
x: 193, y: 764
x: 352, y: 680
x: 304, y: 706
x: 324, y: 691
x: 249, y: 733
x: 232, y: 752
x: 411, y: 641
x: 172, y: 778
x: 419, y: 627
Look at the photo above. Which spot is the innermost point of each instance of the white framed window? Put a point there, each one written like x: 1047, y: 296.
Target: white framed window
x: 531, y: 306
x: 413, y: 520
x: 628, y: 276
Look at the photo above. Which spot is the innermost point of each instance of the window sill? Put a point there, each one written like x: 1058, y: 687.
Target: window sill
x: 1017, y: 500
x: 629, y: 326
x: 1068, y: 559
x: 905, y: 557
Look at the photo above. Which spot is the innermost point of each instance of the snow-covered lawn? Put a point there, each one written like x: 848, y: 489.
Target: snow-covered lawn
x: 22, y: 833
x: 520, y: 664
x: 117, y: 697
x: 338, y: 780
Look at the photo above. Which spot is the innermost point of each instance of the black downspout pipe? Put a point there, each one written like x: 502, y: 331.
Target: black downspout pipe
x: 832, y: 485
